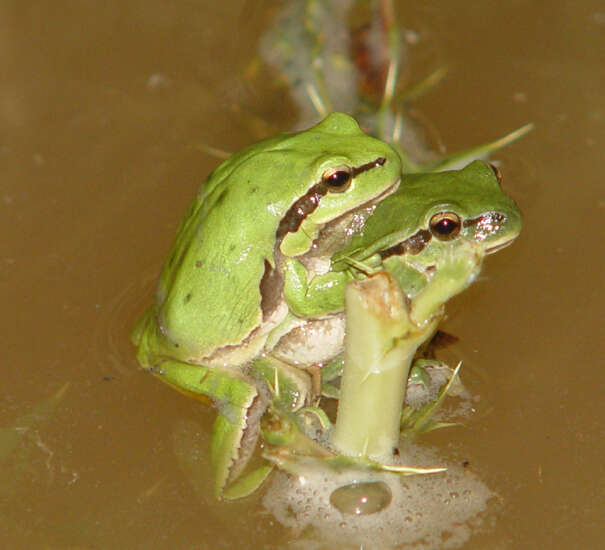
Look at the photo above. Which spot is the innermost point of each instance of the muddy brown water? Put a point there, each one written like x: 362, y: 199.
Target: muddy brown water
x: 103, y: 106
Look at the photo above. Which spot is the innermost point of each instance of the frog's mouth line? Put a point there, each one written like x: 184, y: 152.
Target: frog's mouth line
x: 370, y: 205
x: 499, y: 246
x: 389, y: 190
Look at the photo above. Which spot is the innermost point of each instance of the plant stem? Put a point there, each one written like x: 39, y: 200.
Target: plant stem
x: 380, y: 345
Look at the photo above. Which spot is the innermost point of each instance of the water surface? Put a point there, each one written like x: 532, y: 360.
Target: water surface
x: 103, y: 106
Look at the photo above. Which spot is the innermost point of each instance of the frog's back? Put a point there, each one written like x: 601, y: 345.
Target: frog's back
x: 209, y: 295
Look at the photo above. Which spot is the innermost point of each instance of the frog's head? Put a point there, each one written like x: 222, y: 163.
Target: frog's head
x: 436, y: 227
x: 325, y: 172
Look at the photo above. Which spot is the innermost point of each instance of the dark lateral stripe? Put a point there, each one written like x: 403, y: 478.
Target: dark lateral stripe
x: 369, y: 165
x: 413, y: 245
x: 301, y: 208
x: 309, y: 202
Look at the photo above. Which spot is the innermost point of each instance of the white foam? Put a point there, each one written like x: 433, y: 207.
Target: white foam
x: 426, y: 511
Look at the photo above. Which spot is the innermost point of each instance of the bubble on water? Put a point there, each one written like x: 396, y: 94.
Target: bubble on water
x: 362, y: 498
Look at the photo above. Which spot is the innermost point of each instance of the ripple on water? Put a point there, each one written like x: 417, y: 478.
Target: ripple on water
x: 111, y: 346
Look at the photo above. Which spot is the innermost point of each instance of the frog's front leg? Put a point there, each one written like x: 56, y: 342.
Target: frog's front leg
x: 240, y: 405
x: 321, y: 295
x: 454, y: 273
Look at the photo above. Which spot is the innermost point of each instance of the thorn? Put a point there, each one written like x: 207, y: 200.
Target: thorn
x: 275, y: 382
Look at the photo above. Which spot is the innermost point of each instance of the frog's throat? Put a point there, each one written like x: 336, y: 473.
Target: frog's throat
x: 308, y: 203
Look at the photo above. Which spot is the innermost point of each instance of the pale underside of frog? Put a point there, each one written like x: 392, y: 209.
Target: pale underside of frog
x: 251, y: 297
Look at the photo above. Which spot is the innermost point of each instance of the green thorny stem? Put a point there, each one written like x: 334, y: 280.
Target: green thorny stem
x: 380, y: 345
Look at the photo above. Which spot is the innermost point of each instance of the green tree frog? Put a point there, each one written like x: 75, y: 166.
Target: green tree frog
x: 249, y: 275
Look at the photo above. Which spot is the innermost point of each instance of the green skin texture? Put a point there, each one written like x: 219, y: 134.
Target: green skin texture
x: 209, y: 292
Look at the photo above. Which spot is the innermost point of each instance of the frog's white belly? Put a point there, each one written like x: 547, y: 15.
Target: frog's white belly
x: 311, y: 342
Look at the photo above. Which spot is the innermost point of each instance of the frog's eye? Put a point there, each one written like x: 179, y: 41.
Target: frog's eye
x: 496, y: 172
x: 337, y: 179
x: 445, y: 225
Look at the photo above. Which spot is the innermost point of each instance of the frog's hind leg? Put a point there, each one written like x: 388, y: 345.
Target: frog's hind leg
x: 240, y: 406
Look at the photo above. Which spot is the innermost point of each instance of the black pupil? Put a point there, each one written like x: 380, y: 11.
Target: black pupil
x: 338, y: 179
x: 445, y: 226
